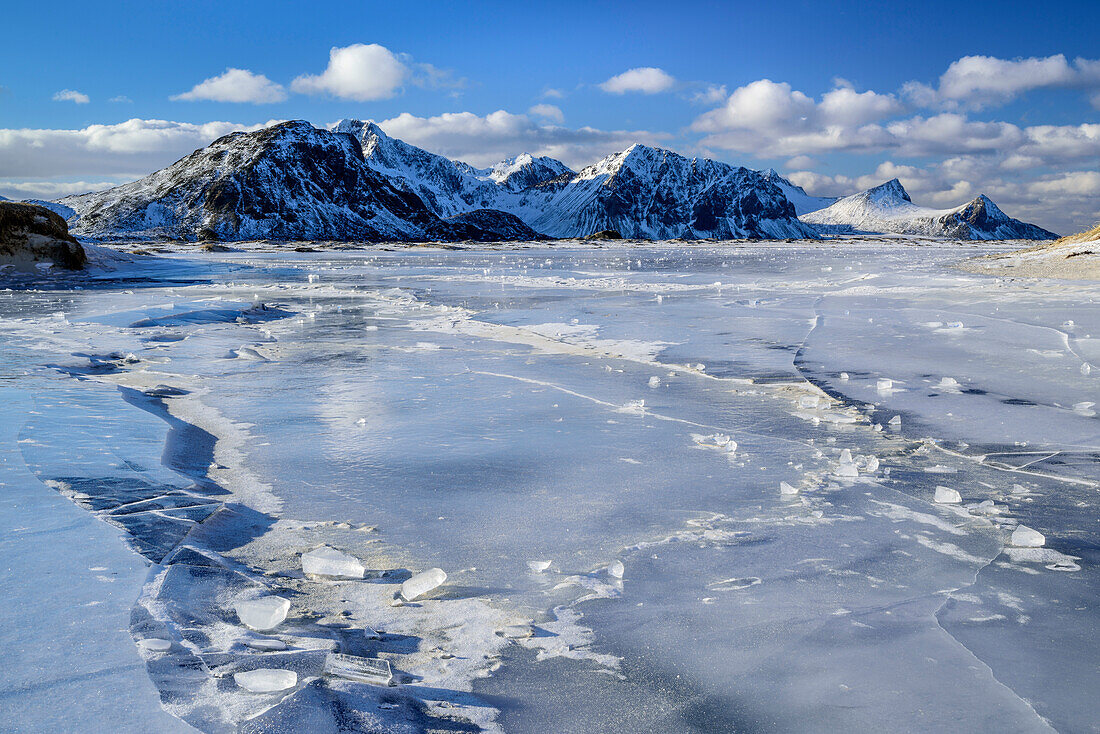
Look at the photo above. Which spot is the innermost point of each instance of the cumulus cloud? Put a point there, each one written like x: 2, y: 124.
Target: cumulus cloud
x: 551, y: 93
x: 710, y: 94
x: 974, y: 82
x: 645, y: 79
x: 71, y: 95
x: 767, y: 119
x: 134, y: 147
x: 771, y: 119
x: 235, y: 85
x: 547, y: 112
x: 484, y: 140
x: 360, y: 72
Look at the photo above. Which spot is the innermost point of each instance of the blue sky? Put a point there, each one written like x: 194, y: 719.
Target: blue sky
x: 953, y: 98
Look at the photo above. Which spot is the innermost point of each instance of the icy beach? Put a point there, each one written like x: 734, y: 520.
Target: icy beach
x: 804, y: 486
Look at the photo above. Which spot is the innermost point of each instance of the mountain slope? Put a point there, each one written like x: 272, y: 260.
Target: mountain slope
x: 803, y: 202
x: 289, y: 181
x: 447, y: 187
x: 649, y: 193
x: 888, y: 208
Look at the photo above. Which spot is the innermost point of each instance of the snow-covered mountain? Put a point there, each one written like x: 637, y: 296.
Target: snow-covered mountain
x: 526, y: 170
x: 288, y: 181
x: 888, y: 208
x: 642, y: 192
x: 650, y: 193
x: 803, y: 202
x: 450, y: 187
x: 293, y: 181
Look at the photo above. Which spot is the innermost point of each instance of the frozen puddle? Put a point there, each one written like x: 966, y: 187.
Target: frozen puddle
x: 422, y: 491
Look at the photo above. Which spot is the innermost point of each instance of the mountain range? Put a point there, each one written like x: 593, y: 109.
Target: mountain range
x: 354, y: 182
x: 888, y: 208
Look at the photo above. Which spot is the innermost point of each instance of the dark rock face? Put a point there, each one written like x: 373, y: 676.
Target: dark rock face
x: 982, y: 219
x: 607, y: 234
x: 32, y: 234
x: 485, y: 225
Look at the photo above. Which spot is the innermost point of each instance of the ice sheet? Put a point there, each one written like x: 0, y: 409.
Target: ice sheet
x: 485, y: 411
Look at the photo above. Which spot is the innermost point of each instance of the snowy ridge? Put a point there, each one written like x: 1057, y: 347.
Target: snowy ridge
x: 803, y: 202
x: 447, y: 187
x: 888, y: 208
x: 516, y: 174
x: 650, y: 193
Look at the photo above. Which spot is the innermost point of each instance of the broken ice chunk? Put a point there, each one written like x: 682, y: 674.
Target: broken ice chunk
x: 849, y: 471
x: 808, y: 401
x: 326, y: 561
x: 948, y: 384
x: 986, y: 507
x: 354, y: 667
x: 947, y: 496
x: 884, y: 384
x: 655, y: 381
x: 422, y: 583
x: 846, y: 456
x: 895, y: 421
x: 263, y: 614
x: 1025, y: 537
x: 1084, y: 408
x: 633, y: 406
x: 844, y: 377
x: 266, y: 680
x: 265, y: 644
x: 538, y: 566
x: 616, y: 569
x: 872, y: 464
x: 787, y: 489
x: 155, y: 644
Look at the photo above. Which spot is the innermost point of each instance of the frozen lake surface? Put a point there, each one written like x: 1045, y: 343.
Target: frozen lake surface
x: 590, y: 443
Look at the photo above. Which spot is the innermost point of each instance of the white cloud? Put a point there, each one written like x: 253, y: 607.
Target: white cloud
x: 802, y: 161
x: 130, y: 148
x: 361, y: 72
x: 711, y: 94
x: 646, y: 79
x: 54, y: 189
x: 121, y: 98
x: 770, y: 119
x: 973, y: 82
x: 71, y: 95
x: 547, y: 112
x: 551, y: 93
x: 484, y: 140
x: 846, y: 106
x: 235, y: 85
